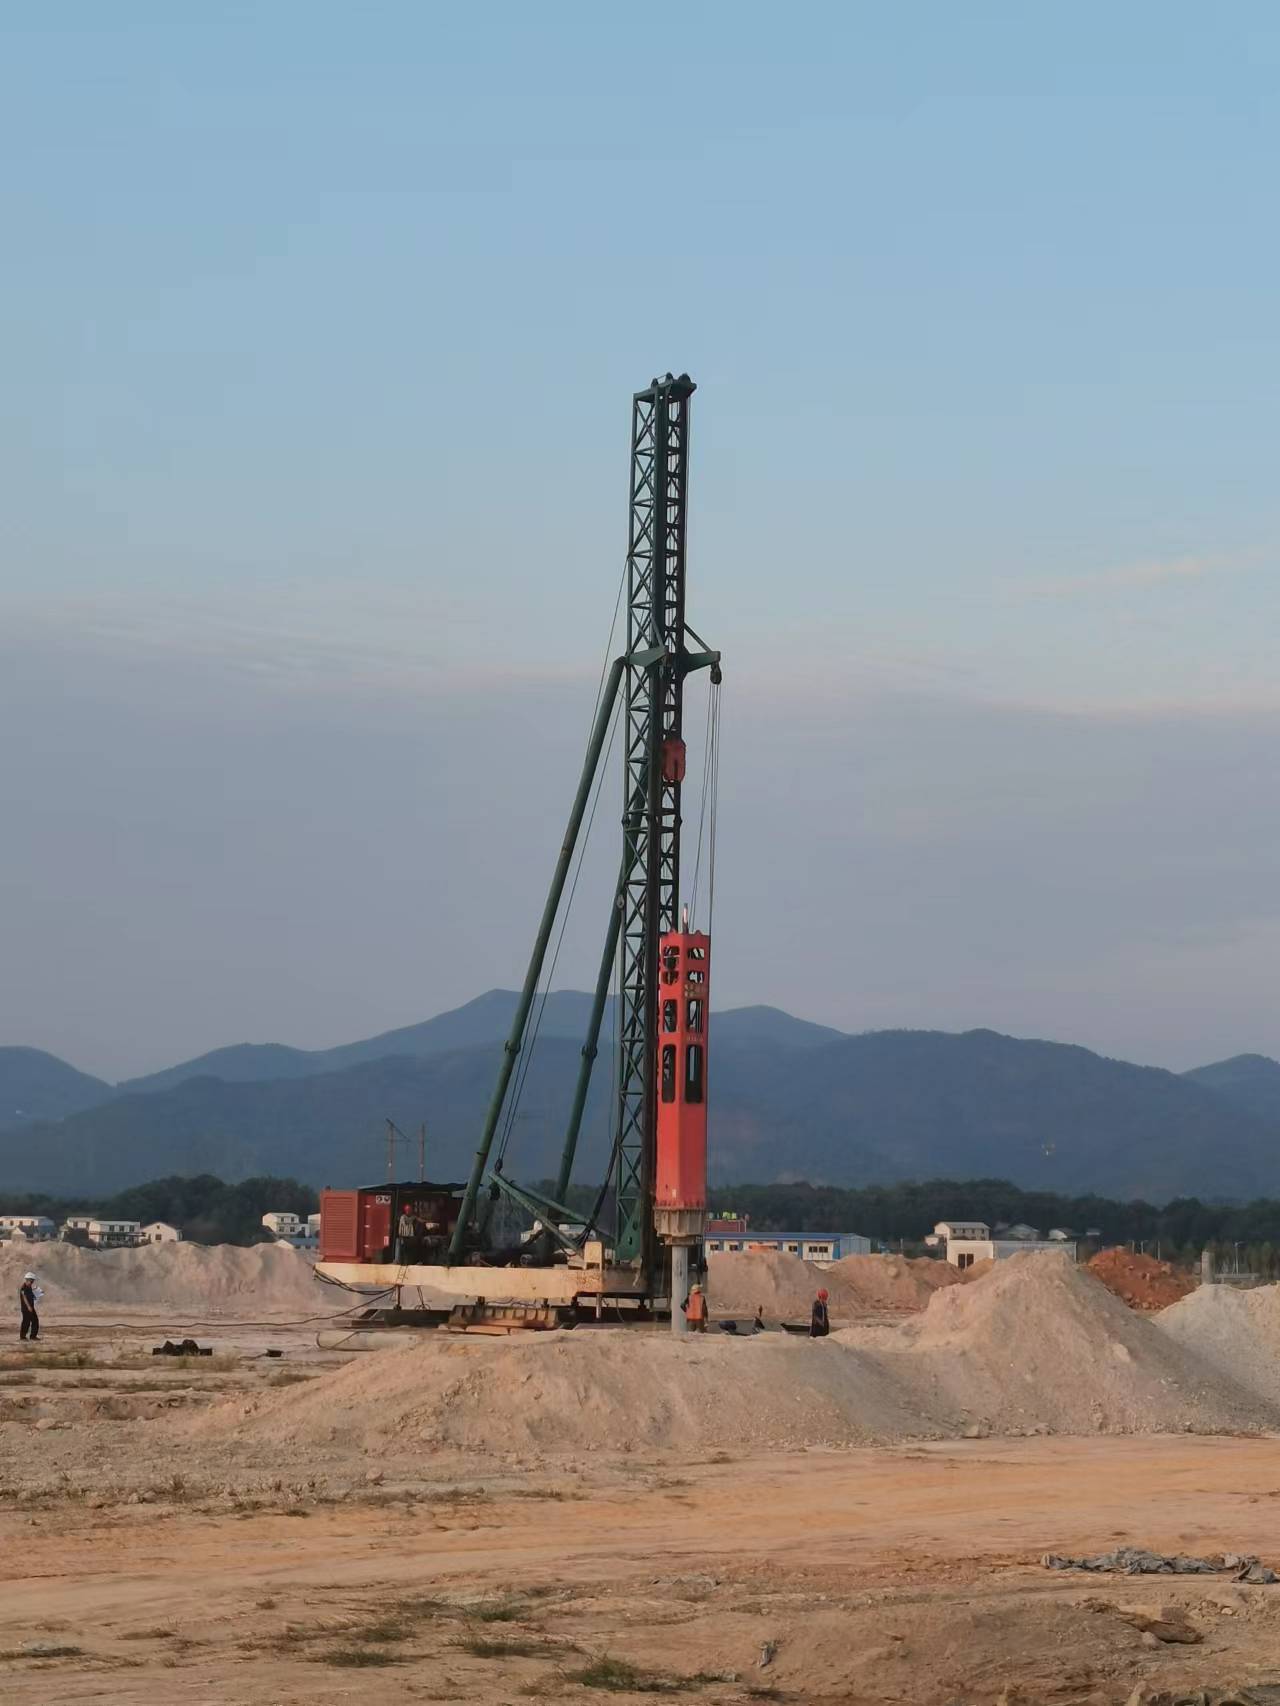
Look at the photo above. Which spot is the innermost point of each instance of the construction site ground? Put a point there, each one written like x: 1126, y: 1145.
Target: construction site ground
x: 164, y: 1537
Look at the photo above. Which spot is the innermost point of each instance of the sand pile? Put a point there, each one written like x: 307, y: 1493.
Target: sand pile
x: 1142, y: 1281
x: 589, y: 1391
x: 264, y: 1280
x: 1036, y: 1345
x: 1236, y: 1332
x: 784, y: 1285
x: 1039, y: 1343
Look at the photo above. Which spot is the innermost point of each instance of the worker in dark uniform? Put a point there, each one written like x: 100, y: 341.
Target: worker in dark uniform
x: 819, y: 1321
x: 757, y: 1326
x: 30, y: 1328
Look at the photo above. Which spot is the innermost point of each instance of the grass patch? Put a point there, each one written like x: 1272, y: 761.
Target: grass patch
x: 422, y: 1605
x: 387, y: 1631
x: 295, y: 1510
x: 764, y: 1691
x: 287, y: 1377
x: 41, y: 1651
x: 265, y: 1604
x: 497, y: 1611
x: 358, y: 1658
x: 48, y: 1359
x: 147, y: 1634
x: 481, y: 1647
x: 618, y: 1676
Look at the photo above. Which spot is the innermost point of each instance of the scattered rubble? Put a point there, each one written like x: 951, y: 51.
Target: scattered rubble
x: 1134, y: 1561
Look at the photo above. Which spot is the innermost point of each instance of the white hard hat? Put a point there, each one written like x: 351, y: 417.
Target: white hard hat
x: 28, y: 1276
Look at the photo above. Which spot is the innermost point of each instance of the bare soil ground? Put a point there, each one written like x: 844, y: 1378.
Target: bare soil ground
x: 146, y: 1558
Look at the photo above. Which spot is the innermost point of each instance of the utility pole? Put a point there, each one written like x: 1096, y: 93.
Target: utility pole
x: 391, y: 1150
x: 422, y: 1153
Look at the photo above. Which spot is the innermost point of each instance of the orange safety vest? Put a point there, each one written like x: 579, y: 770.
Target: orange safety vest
x: 696, y: 1308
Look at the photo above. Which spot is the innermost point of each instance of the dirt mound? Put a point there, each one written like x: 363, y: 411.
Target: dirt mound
x: 591, y: 1391
x: 1036, y: 1345
x: 784, y: 1286
x: 1040, y: 1343
x: 1236, y: 1332
x: 1142, y: 1281
x: 222, y: 1279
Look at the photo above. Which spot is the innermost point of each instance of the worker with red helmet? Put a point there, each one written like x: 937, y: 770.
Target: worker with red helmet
x: 819, y: 1321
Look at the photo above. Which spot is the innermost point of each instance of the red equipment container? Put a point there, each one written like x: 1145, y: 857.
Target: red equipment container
x: 684, y: 991
x: 355, y: 1226
x: 359, y: 1226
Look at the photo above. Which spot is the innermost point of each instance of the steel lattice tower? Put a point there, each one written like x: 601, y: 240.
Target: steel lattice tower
x: 654, y: 682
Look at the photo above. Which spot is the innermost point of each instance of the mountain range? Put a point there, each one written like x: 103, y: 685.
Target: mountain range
x: 790, y: 1100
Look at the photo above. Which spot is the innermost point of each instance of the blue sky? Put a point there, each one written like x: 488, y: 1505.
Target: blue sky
x: 319, y: 327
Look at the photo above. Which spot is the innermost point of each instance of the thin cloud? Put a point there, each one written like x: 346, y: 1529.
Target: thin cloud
x: 1129, y: 577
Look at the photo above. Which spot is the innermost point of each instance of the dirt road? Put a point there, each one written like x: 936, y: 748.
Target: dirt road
x: 906, y: 1574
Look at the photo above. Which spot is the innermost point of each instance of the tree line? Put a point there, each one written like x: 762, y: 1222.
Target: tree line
x: 904, y: 1213
x: 203, y: 1208
x: 210, y: 1211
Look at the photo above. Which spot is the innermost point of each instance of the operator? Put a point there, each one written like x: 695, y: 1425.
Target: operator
x: 431, y: 1241
x: 695, y: 1309
x: 27, y: 1299
x: 405, y: 1235
x: 819, y: 1321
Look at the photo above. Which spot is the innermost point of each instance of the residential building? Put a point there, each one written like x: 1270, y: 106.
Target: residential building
x: 75, y: 1228
x: 283, y: 1225
x: 36, y: 1228
x: 971, y: 1241
x: 113, y: 1234
x: 313, y: 1226
x: 160, y: 1232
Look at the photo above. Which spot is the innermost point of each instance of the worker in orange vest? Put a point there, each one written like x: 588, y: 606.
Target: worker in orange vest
x: 695, y: 1309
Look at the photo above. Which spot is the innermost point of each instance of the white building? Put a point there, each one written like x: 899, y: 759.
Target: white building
x: 113, y: 1234
x: 970, y: 1241
x: 37, y: 1228
x: 313, y: 1226
x: 160, y: 1232
x: 282, y: 1225
x: 76, y: 1224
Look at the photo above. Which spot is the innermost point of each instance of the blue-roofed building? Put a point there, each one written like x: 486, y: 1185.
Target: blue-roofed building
x: 725, y: 1237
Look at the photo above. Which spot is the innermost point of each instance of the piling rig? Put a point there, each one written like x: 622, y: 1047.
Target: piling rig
x: 640, y: 1260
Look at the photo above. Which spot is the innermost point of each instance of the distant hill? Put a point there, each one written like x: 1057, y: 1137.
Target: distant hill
x: 38, y: 1086
x: 1251, y: 1081
x: 786, y: 1103
x: 895, y: 1105
x: 487, y: 1019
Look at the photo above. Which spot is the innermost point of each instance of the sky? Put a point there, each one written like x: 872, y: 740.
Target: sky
x: 319, y: 326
